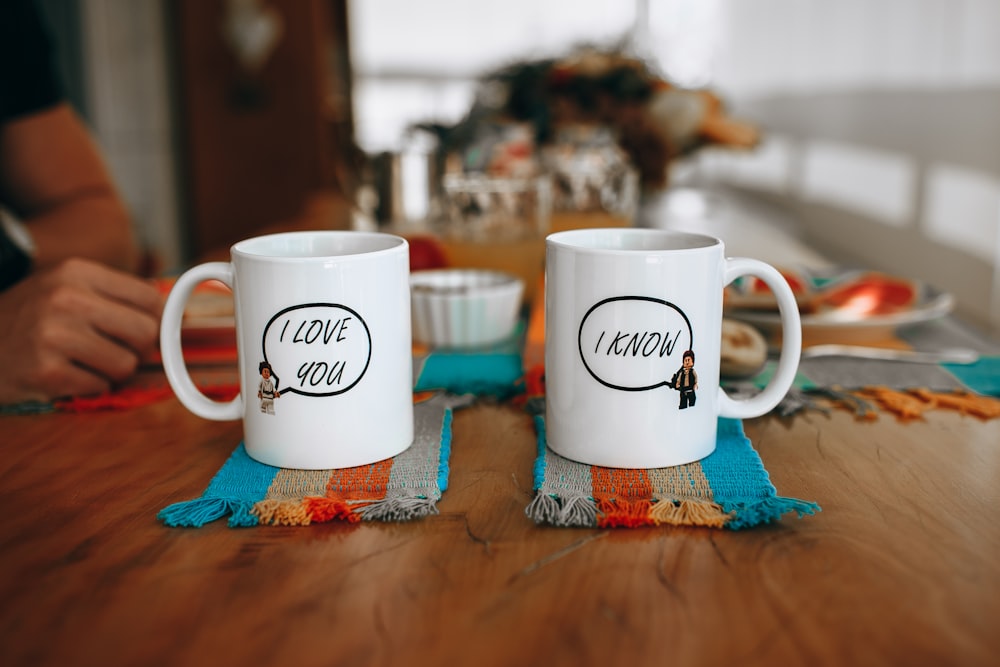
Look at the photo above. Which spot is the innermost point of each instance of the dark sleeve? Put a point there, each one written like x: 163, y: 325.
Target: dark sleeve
x: 28, y: 77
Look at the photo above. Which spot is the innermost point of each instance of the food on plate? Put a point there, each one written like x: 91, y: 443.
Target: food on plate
x: 866, y: 294
x: 751, y: 293
x: 855, y: 294
x: 743, y: 350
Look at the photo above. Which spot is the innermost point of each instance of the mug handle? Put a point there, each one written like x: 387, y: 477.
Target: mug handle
x: 791, y: 341
x: 170, y: 344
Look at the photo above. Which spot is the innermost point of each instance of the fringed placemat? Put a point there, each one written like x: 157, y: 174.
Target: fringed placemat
x: 727, y: 489
x: 867, y: 387
x: 403, y: 488
x: 906, y: 390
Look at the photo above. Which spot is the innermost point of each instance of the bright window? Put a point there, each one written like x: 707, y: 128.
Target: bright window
x: 419, y: 61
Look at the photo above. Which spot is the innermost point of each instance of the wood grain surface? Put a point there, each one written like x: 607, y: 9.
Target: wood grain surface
x: 900, y: 567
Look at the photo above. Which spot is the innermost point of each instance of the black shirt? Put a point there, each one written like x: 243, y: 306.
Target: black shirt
x: 28, y: 77
x: 28, y: 83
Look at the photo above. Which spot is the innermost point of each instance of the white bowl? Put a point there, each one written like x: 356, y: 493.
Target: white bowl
x: 463, y: 308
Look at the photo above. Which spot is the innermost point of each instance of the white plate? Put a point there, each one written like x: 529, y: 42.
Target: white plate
x: 849, y: 327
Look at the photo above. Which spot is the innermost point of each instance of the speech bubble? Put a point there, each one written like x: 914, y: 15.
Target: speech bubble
x: 317, y: 349
x: 634, y: 343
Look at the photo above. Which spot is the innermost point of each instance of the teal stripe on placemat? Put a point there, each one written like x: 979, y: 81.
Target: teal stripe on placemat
x: 444, y: 455
x: 982, y: 376
x: 761, y: 379
x: 741, y: 484
x: 27, y: 408
x: 540, y: 451
x: 495, y: 374
x: 239, y: 484
x: 734, y: 470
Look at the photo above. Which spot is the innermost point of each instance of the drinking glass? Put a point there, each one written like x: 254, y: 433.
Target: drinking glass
x: 498, y: 223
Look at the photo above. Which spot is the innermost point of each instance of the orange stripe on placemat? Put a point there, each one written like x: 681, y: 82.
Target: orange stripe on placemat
x: 350, y: 489
x: 321, y: 510
x: 623, y: 497
x: 361, y: 483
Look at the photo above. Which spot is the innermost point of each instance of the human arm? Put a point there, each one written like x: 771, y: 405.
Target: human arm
x: 53, y: 178
x: 69, y: 323
x: 80, y: 321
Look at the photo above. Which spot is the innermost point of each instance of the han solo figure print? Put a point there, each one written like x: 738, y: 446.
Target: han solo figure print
x: 685, y: 380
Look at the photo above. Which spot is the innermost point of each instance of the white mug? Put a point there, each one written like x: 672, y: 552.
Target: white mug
x: 633, y: 321
x: 324, y: 348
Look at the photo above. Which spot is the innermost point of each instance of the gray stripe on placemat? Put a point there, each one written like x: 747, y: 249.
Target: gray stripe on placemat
x: 564, y: 499
x: 937, y: 335
x: 851, y: 373
x: 412, y: 490
x: 945, y: 333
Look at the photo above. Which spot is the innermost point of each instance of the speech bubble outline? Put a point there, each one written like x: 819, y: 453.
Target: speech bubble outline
x: 354, y: 313
x: 599, y: 304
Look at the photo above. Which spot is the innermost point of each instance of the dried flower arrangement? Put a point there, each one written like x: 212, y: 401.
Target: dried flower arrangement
x: 653, y: 121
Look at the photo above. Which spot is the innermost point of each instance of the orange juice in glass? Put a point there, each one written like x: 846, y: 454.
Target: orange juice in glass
x: 496, y: 223
x: 563, y: 220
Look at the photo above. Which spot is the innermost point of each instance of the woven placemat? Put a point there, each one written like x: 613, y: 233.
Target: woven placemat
x: 403, y: 488
x: 905, y: 389
x: 727, y: 489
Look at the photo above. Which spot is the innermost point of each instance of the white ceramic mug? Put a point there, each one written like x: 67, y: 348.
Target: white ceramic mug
x: 623, y: 308
x: 323, y: 340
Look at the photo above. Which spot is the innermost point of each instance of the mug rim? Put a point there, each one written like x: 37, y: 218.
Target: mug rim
x: 692, y: 241
x: 392, y: 243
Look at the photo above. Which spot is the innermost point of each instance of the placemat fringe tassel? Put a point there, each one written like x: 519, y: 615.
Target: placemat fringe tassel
x: 689, y: 512
x: 565, y: 512
x: 397, y: 509
x: 765, y: 510
x: 323, y: 509
x: 196, y: 513
x: 624, y: 513
x: 276, y: 512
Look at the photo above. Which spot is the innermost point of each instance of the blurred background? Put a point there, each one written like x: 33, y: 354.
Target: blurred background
x: 875, y: 124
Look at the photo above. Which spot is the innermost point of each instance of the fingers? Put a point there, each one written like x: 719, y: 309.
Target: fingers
x: 135, y: 329
x: 88, y: 348
x: 119, y: 306
x: 63, y: 378
x: 38, y: 372
x: 73, y: 330
x: 105, y: 336
x: 114, y: 285
x: 138, y: 294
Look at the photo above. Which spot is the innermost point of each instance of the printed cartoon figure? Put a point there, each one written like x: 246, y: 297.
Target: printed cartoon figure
x: 267, y: 390
x: 685, y: 380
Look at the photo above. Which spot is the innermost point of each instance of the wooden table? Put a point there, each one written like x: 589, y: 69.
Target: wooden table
x: 900, y: 567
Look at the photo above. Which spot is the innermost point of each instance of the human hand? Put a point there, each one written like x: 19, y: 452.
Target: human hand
x: 74, y: 330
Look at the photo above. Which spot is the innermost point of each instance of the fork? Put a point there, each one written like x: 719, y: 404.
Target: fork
x: 951, y: 355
